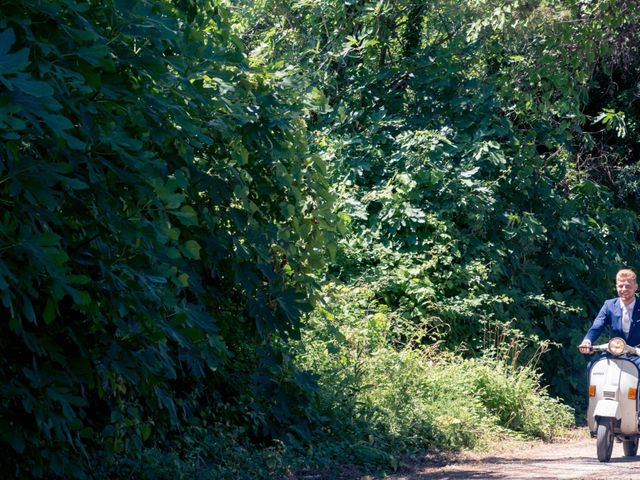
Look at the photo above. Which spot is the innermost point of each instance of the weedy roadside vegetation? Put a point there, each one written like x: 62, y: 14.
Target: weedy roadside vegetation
x: 383, y: 391
x: 388, y: 390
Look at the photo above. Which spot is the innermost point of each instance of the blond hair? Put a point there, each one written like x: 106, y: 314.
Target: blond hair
x: 626, y: 274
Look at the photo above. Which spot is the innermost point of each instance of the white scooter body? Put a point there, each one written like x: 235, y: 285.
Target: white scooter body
x: 613, y: 378
x: 613, y: 399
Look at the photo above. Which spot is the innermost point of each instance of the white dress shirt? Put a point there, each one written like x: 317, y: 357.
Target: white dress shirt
x: 627, y: 312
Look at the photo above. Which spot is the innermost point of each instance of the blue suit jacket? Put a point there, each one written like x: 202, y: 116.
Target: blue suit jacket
x: 611, y: 315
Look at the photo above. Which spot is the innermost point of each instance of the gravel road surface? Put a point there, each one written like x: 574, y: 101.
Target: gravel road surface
x: 571, y: 458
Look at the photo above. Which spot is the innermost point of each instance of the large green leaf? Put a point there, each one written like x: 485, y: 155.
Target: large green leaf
x: 11, y: 62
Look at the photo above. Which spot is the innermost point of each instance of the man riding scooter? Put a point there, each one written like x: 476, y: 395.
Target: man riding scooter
x: 621, y: 314
x: 613, y: 378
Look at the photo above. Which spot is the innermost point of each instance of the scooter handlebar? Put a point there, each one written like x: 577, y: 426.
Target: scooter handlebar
x: 606, y: 347
x: 600, y: 348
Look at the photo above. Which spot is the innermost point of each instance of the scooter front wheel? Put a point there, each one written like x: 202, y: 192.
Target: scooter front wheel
x: 630, y: 447
x: 604, y: 440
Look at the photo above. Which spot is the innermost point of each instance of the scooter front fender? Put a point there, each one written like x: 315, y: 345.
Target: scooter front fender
x: 607, y: 408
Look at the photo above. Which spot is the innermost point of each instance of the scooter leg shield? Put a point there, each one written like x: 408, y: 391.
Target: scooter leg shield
x: 607, y: 408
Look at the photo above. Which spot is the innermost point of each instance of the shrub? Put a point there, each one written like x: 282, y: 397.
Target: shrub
x: 384, y: 398
x: 515, y: 395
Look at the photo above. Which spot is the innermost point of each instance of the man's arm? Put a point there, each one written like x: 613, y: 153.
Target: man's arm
x: 602, y: 320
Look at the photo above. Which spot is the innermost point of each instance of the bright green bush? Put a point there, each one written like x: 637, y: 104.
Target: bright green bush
x: 516, y: 397
x: 386, y: 390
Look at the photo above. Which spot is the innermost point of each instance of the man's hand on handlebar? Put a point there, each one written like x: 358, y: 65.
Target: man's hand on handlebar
x: 585, y: 347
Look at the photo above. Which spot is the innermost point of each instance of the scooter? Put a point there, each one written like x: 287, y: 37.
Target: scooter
x: 613, y: 399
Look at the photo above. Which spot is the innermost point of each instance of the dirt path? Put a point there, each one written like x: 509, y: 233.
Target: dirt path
x: 572, y: 458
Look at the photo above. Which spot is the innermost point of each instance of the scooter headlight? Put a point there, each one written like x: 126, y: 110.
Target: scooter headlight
x: 616, y: 346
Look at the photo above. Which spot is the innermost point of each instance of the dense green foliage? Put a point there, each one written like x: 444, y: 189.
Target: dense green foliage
x: 459, y: 143
x: 161, y: 219
x: 181, y: 182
